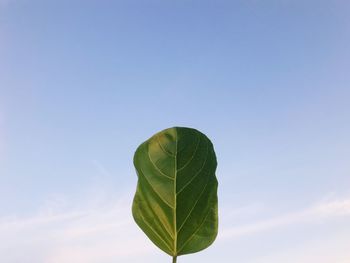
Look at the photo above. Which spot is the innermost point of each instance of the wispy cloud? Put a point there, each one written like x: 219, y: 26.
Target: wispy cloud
x: 101, y: 169
x: 324, y: 210
x: 2, y: 139
x: 94, y: 234
x: 104, y: 231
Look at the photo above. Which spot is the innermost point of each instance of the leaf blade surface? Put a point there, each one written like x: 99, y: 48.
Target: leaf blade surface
x: 175, y: 203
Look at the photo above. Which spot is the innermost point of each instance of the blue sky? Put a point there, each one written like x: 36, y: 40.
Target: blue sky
x: 83, y: 83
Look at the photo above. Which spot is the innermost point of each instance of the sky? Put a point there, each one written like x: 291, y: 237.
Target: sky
x: 83, y: 83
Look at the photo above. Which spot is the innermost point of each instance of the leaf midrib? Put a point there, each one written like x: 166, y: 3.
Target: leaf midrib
x: 175, y: 196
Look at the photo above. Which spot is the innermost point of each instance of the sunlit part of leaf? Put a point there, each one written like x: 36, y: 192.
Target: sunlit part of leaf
x: 175, y: 203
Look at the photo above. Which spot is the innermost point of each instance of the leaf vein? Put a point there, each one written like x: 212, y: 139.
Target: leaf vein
x: 195, y: 232
x: 194, y: 153
x: 195, y: 204
x: 200, y: 170
x: 157, y: 168
x: 155, y: 215
x: 155, y: 232
x: 162, y: 148
x: 161, y: 198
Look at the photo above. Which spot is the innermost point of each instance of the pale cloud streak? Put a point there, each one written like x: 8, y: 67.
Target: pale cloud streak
x: 99, y: 233
x: 101, y: 169
x: 104, y: 231
x: 2, y: 135
x: 324, y: 210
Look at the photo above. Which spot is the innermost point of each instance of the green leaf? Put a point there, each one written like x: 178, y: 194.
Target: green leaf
x: 175, y: 203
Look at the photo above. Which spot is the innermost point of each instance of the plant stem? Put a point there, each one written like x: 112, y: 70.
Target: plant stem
x: 174, y: 259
